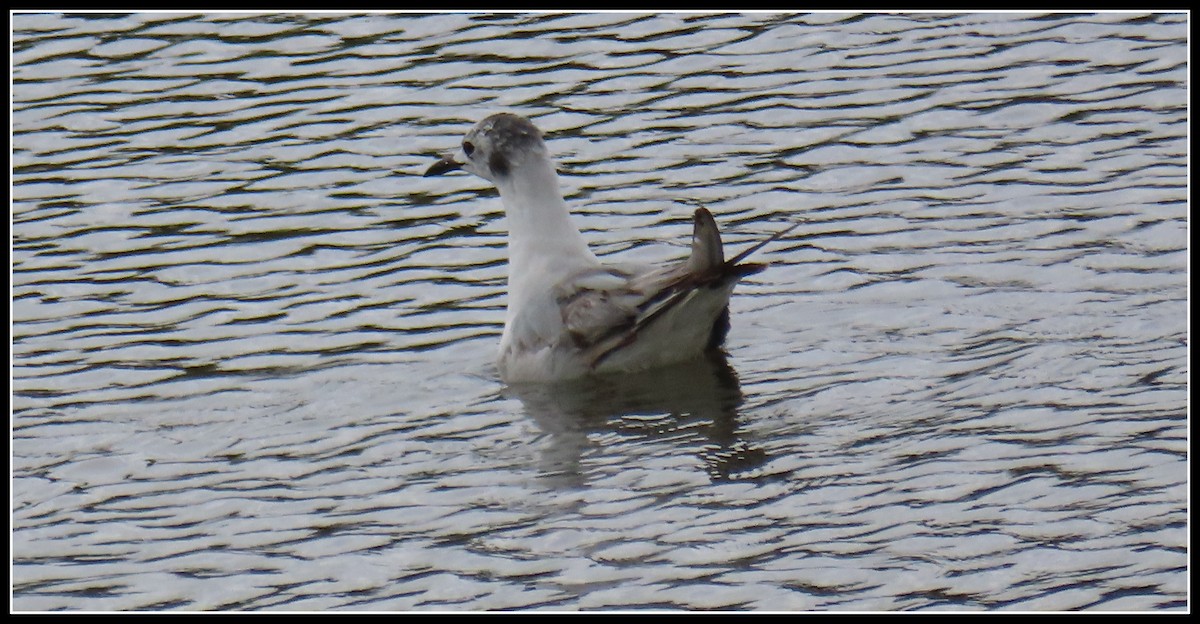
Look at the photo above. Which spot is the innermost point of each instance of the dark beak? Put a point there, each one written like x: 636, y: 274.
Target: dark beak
x: 442, y: 166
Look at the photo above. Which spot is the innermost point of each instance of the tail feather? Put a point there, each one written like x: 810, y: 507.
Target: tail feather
x: 707, y: 253
x: 708, y: 259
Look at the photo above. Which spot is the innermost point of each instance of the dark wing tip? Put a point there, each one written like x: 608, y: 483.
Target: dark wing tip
x: 707, y: 254
x: 759, y: 245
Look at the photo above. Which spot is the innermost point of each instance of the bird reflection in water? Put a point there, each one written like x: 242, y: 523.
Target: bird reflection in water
x: 692, y: 404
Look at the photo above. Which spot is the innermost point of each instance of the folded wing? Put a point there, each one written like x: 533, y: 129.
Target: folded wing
x: 617, y: 318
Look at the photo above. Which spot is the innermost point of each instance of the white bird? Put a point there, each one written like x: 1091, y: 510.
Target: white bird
x: 568, y: 314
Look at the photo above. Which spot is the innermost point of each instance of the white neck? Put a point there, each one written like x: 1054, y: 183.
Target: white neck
x: 542, y: 240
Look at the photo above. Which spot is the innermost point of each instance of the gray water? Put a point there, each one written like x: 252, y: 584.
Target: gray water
x: 252, y: 346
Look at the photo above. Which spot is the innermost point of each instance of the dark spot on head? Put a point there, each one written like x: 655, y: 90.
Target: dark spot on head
x: 505, y: 141
x: 514, y: 127
x: 498, y: 164
x: 468, y: 148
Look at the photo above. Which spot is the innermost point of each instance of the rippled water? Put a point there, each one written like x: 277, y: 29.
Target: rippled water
x: 252, y: 347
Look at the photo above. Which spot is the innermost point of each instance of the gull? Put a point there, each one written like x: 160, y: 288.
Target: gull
x: 570, y: 315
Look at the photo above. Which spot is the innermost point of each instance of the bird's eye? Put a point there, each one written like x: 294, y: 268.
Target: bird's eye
x: 468, y: 148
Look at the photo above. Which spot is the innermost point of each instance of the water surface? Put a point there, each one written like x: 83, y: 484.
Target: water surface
x: 252, y: 346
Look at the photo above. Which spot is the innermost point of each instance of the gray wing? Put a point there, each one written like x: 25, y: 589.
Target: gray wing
x: 603, y: 301
x: 605, y: 309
